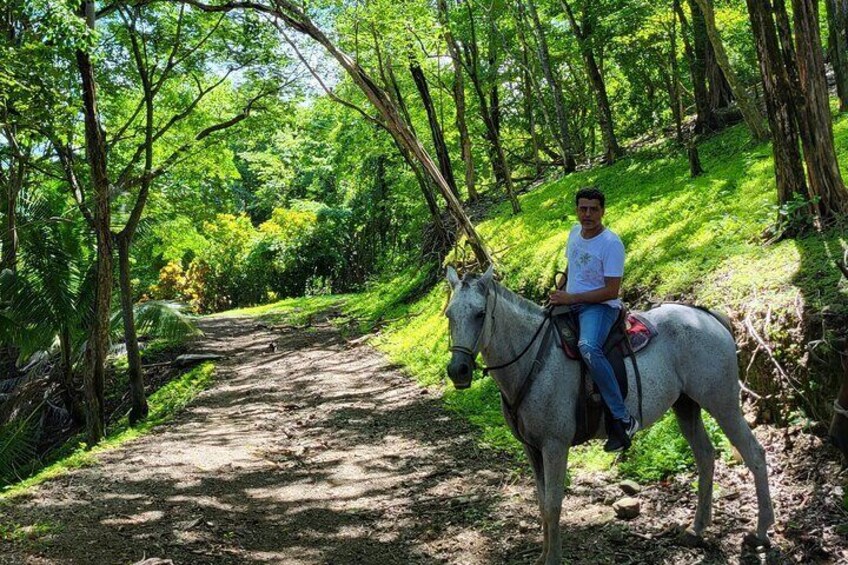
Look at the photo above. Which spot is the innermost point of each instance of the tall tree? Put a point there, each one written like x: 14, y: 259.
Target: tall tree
x: 563, y: 137
x: 435, y: 127
x: 473, y: 68
x: 826, y: 183
x: 696, y: 56
x: 459, y: 99
x: 95, y: 145
x: 583, y: 31
x: 837, y: 41
x: 750, y: 113
x: 780, y: 107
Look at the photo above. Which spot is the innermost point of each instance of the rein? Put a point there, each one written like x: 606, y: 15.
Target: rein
x: 837, y: 409
x: 527, y: 382
x: 523, y: 351
x: 473, y: 352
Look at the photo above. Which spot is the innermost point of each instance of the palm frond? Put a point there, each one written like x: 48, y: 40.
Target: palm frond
x: 161, y: 319
x: 18, y: 440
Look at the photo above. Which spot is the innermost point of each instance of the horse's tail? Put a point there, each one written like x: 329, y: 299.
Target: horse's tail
x: 724, y: 319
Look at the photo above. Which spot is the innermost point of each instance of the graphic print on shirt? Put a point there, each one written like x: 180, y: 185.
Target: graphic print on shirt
x: 591, y: 268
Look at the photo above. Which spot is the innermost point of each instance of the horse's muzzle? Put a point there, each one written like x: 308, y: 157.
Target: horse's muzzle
x: 460, y: 370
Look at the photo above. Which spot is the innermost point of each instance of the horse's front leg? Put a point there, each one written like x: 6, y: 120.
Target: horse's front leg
x: 555, y: 459
x: 535, y: 458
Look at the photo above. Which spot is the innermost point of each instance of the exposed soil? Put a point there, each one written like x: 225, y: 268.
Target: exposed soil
x: 322, y: 452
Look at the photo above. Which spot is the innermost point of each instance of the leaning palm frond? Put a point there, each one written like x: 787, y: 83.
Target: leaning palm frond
x: 18, y: 440
x: 158, y: 319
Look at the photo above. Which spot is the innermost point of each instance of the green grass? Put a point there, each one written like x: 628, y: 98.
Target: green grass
x: 381, y: 302
x: 293, y: 311
x: 33, y: 534
x: 697, y: 239
x: 163, y: 405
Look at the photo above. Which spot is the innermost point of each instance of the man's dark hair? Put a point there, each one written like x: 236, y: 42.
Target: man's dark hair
x: 590, y: 193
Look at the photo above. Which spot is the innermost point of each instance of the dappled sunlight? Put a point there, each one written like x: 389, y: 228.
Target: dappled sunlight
x: 314, y: 450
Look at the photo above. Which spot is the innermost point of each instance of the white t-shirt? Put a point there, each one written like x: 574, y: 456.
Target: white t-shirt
x: 590, y: 260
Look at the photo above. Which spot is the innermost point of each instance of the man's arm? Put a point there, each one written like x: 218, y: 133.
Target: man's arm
x: 612, y: 286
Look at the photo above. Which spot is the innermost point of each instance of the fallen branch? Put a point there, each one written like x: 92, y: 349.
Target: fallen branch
x: 765, y: 347
x: 750, y: 392
x: 789, y: 380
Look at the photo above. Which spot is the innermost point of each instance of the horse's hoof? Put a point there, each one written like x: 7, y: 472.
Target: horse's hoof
x: 756, y: 541
x: 688, y: 538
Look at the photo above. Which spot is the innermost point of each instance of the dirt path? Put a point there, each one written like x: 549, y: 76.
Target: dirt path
x: 321, y: 452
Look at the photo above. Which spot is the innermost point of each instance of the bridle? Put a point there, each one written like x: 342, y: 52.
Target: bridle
x: 487, y: 325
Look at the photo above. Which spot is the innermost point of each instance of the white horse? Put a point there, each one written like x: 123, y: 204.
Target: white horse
x: 690, y: 364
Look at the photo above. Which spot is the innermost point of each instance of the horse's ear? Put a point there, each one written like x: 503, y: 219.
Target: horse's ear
x: 453, y: 278
x: 486, y: 278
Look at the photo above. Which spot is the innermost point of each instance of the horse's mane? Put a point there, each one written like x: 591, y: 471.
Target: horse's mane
x: 521, y: 303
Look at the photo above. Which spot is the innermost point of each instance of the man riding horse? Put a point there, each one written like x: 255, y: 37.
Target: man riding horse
x: 593, y: 280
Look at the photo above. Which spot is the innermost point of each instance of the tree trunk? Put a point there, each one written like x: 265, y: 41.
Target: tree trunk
x: 138, y: 401
x: 696, y: 53
x: 459, y: 101
x: 673, y: 85
x: 435, y: 128
x: 695, y: 168
x: 536, y: 90
x: 752, y: 116
x: 424, y: 182
x: 501, y: 169
x: 492, y: 78
x: 837, y: 22
x: 564, y: 137
x: 98, y: 341
x: 582, y: 32
x: 529, y: 113
x: 68, y: 390
x: 612, y: 150
x: 14, y: 182
x: 780, y: 108
x: 816, y: 121
x: 720, y: 93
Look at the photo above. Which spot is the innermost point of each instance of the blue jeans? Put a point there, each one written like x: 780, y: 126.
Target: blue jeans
x: 596, y: 320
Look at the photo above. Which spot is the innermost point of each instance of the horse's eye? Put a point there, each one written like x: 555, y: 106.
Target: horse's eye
x: 480, y: 315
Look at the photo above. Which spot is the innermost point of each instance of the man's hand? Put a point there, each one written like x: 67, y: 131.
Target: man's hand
x: 560, y: 297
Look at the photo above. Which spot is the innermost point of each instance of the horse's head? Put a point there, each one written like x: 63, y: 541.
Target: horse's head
x: 466, y: 314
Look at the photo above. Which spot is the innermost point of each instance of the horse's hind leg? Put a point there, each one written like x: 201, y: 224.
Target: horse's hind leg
x: 729, y: 417
x: 689, y: 417
x: 535, y: 458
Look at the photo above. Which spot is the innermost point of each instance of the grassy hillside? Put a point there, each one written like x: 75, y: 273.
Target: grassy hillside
x: 698, y: 239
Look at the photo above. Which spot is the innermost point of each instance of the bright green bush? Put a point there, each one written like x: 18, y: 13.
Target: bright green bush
x: 661, y: 450
x: 298, y: 250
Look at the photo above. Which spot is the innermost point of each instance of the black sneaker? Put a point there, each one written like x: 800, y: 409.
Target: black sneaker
x: 621, y: 434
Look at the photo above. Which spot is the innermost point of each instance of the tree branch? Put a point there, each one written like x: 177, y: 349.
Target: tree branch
x: 326, y: 89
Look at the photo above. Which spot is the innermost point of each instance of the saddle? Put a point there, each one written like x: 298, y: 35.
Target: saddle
x: 629, y: 334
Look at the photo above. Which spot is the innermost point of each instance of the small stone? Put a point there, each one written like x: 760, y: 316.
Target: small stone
x: 630, y: 487
x: 627, y: 508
